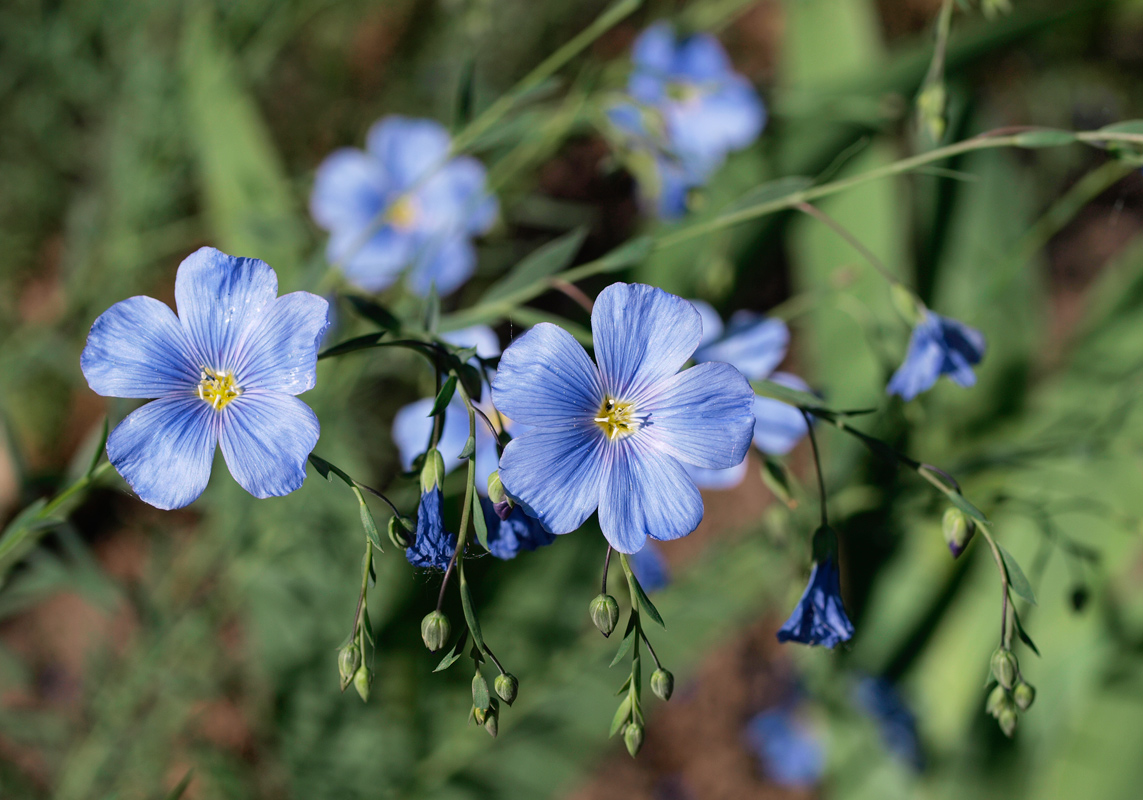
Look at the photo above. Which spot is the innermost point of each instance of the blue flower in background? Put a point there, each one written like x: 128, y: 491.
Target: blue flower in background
x: 880, y: 699
x: 755, y: 345
x: 224, y: 372
x: 507, y: 537
x: 790, y: 752
x: 616, y: 437
x: 819, y: 617
x: 939, y: 346
x: 433, y: 546
x: 650, y: 568
x: 403, y: 203
x: 688, y: 109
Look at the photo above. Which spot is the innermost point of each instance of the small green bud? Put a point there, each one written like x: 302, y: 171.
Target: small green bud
x: 604, y: 613
x: 1024, y: 694
x: 506, y: 687
x: 362, y: 680
x: 399, y: 530
x: 662, y: 684
x: 492, y: 723
x: 997, y: 701
x: 495, y: 488
x: 958, y: 530
x: 931, y: 110
x: 633, y: 738
x: 432, y: 474
x: 435, y: 630
x: 1007, y: 720
x: 1005, y: 668
x: 348, y: 660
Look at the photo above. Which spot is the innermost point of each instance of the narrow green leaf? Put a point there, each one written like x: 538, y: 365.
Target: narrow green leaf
x: 469, y: 447
x: 433, y: 310
x: 478, y: 521
x: 444, y: 396
x: 784, y: 394
x: 465, y: 94
x: 480, y: 697
x: 627, y: 254
x: 621, y: 716
x: 455, y: 654
x: 367, y: 521
x: 1016, y: 578
x: 771, y: 191
x: 624, y: 646
x: 1127, y: 126
x: 181, y: 788
x: 537, y: 266
x: 1023, y: 634
x: 645, y: 603
x: 374, y: 312
x: 1044, y: 139
x: 961, y: 502
x: 358, y: 343
x: 470, y: 379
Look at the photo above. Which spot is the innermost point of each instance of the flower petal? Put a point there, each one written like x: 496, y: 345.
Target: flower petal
x: 650, y: 568
x: 752, y: 343
x: 701, y: 58
x: 446, y: 261
x: 164, y: 450
x: 349, y: 190
x: 280, y: 353
x: 703, y: 416
x: 647, y: 493
x: 546, y: 378
x: 454, y: 199
x: 412, y: 429
x: 137, y: 348
x: 266, y: 438
x: 777, y: 425
x: 372, y: 264
x: 408, y: 148
x: 922, y: 365
x: 652, y: 55
x: 555, y: 475
x: 219, y: 297
x: 711, y: 327
x: 642, y: 336
x: 718, y: 479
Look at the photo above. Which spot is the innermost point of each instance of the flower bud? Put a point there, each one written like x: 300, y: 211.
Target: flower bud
x: 662, y: 683
x: 495, y: 488
x: 997, y: 701
x: 432, y: 474
x: 633, y: 738
x: 931, y: 110
x: 958, y: 530
x: 506, y: 687
x: 504, y: 508
x: 1004, y: 668
x: 1007, y: 721
x: 362, y: 680
x: 604, y: 613
x: 1024, y: 694
x: 435, y: 630
x: 348, y: 660
x: 492, y: 724
x: 399, y: 530
x: 479, y: 715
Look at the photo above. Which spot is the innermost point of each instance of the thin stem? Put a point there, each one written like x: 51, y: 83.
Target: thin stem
x: 380, y: 496
x: 606, y: 567
x: 575, y: 293
x: 817, y: 464
x: 643, y: 635
x: 364, y: 588
x: 850, y: 239
x: 944, y: 25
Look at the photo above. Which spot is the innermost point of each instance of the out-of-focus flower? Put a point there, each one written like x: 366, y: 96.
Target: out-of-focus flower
x: 880, y: 699
x: 820, y: 617
x: 650, y: 568
x: 507, y: 537
x: 403, y: 203
x: 790, y: 751
x: 225, y: 372
x: 615, y: 437
x: 684, y: 111
x: 755, y: 345
x: 938, y: 346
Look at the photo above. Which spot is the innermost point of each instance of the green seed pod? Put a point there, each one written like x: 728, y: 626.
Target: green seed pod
x: 506, y: 687
x: 1024, y: 694
x: 1007, y: 721
x: 348, y: 660
x: 435, y: 630
x: 958, y: 530
x: 604, y: 613
x: 633, y: 738
x: 1004, y: 668
x: 362, y: 680
x: 662, y: 684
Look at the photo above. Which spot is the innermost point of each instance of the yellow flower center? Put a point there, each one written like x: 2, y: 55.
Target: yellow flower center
x: 617, y: 418
x: 402, y: 213
x: 217, y: 387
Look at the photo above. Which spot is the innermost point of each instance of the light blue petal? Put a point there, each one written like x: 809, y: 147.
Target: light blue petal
x: 778, y: 427
x: 164, y: 450
x: 409, y: 149
x: 703, y: 416
x: 752, y: 343
x: 674, y: 187
x: 555, y: 475
x: 962, y: 339
x: 718, y: 479
x: 628, y: 119
x: 654, y: 49
x: 701, y: 59
x: 454, y: 200
x: 642, y: 336
x: 707, y: 129
x: 545, y: 378
x: 375, y: 263
x: 922, y: 365
x: 647, y: 493
x: 412, y: 429
x: 350, y: 188
x: 446, y: 262
x: 279, y: 354
x: 711, y: 325
x: 137, y: 348
x: 266, y: 438
x: 650, y: 567
x: 483, y: 338
x: 958, y: 369
x: 219, y: 298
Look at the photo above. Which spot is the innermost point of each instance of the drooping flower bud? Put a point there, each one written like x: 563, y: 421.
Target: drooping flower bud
x: 495, y: 487
x: 662, y: 684
x: 348, y: 660
x: 1005, y: 668
x: 492, y: 722
x: 1024, y: 694
x: 958, y: 530
x: 435, y: 630
x: 432, y: 474
x: 400, y: 529
x: 1007, y: 720
x: 506, y: 687
x: 604, y: 613
x: 362, y: 680
x: 997, y: 701
x: 633, y: 738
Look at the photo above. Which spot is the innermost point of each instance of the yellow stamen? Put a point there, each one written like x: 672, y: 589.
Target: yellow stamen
x: 217, y: 387
x: 617, y: 418
x: 402, y: 213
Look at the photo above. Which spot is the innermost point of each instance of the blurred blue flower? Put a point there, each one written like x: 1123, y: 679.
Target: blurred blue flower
x: 650, y: 568
x: 433, y: 546
x: 615, y: 437
x: 938, y: 346
x: 819, y: 617
x: 790, y: 752
x: 755, y: 345
x: 224, y: 372
x: 403, y: 203
x: 880, y: 699
x: 687, y: 109
x: 518, y: 532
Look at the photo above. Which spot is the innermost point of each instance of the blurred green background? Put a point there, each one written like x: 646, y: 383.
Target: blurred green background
x: 137, y: 647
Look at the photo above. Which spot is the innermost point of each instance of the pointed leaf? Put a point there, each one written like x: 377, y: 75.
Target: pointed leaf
x: 374, y: 312
x: 478, y: 521
x: 1023, y: 634
x: 537, y: 266
x: 1017, y: 581
x: 480, y: 696
x: 444, y: 396
x: 621, y: 715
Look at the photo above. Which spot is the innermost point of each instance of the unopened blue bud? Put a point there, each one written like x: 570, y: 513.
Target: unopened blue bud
x: 432, y: 474
x: 633, y: 738
x: 958, y: 530
x: 1005, y: 668
x: 604, y: 613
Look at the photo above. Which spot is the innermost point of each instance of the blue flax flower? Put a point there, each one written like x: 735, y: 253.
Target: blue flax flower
x: 939, y: 346
x: 650, y: 568
x: 403, y: 203
x: 880, y: 699
x: 819, y: 617
x: 616, y: 437
x: 224, y: 372
x: 518, y: 531
x: 755, y: 345
x: 687, y: 109
x: 433, y: 546
x: 791, y: 753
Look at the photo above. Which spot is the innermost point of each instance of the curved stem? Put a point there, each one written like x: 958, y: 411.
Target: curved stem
x: 817, y: 464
